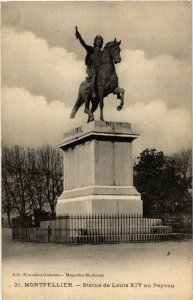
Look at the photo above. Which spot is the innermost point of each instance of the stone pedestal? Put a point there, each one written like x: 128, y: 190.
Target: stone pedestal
x: 98, y: 170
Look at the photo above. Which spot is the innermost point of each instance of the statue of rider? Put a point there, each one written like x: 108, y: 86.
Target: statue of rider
x: 93, y: 59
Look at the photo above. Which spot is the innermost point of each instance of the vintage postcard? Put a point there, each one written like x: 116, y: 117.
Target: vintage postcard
x: 96, y: 150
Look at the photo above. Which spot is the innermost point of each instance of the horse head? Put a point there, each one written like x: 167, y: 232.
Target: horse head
x: 114, y: 50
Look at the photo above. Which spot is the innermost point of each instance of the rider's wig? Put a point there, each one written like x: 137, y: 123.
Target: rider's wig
x: 96, y: 38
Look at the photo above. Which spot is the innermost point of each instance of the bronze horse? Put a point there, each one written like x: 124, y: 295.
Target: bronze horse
x: 107, y: 83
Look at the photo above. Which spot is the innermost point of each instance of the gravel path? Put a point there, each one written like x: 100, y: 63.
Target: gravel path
x: 160, y: 271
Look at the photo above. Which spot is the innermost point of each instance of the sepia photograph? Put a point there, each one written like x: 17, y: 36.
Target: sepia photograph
x: 96, y: 150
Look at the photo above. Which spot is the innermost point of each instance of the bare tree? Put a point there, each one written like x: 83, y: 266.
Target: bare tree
x: 35, y: 180
x: 50, y: 165
x: 31, y: 179
x: 15, y: 195
x: 7, y: 193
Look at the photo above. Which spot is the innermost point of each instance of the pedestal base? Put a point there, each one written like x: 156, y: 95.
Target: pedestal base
x: 100, y: 204
x: 98, y: 170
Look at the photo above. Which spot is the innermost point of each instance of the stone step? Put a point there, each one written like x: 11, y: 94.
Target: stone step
x: 118, y: 230
x: 108, y: 238
x: 128, y: 238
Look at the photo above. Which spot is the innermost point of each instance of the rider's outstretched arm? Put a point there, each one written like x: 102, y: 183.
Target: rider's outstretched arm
x: 78, y: 36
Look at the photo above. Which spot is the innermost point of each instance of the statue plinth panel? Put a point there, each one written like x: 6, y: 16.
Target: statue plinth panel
x: 98, y: 170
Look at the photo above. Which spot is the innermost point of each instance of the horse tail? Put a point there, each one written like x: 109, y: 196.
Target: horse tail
x: 77, y: 105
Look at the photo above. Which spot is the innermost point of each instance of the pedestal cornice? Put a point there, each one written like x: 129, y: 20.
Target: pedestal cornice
x: 99, y: 130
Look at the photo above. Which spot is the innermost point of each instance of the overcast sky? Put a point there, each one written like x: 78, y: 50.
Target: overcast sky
x: 43, y: 65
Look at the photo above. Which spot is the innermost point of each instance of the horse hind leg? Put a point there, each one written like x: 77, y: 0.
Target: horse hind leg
x: 95, y: 104
x: 93, y: 108
x: 87, y: 111
x: 90, y: 119
x: 101, y: 101
x: 76, y: 107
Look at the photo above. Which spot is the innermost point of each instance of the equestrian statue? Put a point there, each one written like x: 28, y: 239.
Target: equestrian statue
x: 101, y: 79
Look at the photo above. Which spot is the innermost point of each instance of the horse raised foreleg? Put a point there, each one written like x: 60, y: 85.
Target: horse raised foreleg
x: 119, y: 91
